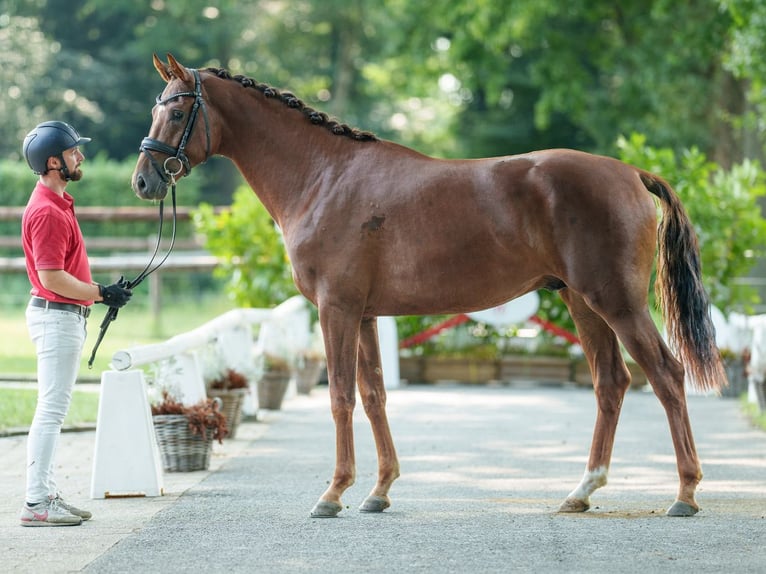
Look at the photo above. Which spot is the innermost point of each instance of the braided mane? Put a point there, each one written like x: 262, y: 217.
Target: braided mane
x: 291, y: 101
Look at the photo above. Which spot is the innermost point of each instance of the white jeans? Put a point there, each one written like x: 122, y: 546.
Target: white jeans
x: 59, y: 337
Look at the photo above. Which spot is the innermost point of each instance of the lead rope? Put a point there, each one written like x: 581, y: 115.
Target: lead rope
x: 111, y: 313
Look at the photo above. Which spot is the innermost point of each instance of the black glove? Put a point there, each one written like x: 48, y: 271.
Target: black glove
x: 115, y: 295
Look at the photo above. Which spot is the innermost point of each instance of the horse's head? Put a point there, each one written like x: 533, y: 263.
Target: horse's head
x: 177, y: 141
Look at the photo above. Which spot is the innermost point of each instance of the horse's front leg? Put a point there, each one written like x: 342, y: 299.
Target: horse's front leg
x: 341, y: 337
x: 373, y: 393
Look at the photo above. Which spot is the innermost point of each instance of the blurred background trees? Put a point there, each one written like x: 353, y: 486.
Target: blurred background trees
x: 681, y: 82
x: 450, y: 77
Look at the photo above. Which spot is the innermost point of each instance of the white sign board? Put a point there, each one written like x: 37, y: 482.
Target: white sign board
x: 515, y: 311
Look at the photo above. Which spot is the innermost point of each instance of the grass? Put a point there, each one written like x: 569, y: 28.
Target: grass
x: 135, y: 325
x: 758, y: 419
x: 17, y: 407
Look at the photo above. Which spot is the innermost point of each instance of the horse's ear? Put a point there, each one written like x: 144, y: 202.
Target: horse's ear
x: 178, y: 70
x: 161, y: 68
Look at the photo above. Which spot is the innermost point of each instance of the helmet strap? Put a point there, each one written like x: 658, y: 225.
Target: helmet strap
x: 64, y: 169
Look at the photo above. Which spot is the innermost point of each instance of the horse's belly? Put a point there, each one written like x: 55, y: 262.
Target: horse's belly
x: 428, y: 290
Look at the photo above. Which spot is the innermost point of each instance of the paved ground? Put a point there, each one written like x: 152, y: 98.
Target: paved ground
x: 483, y: 471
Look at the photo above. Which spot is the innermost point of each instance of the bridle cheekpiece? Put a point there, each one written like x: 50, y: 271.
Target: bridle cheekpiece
x: 178, y: 154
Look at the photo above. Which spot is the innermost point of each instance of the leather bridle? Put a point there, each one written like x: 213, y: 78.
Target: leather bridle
x: 179, y: 153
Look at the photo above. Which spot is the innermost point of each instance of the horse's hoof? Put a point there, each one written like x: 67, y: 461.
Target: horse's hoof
x: 682, y: 509
x: 375, y: 504
x: 574, y: 505
x: 325, y: 509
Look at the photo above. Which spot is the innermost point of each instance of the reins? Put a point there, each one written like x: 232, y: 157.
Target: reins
x: 111, y: 313
x: 168, y: 176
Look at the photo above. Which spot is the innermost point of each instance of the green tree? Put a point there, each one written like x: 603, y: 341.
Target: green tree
x: 723, y: 205
x: 577, y: 74
x: 26, y: 52
x: 247, y: 242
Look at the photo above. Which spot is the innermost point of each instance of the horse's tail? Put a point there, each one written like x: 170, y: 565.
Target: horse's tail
x: 680, y: 293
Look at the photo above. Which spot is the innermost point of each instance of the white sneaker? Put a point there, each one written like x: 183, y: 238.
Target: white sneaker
x: 48, y: 513
x: 84, y: 514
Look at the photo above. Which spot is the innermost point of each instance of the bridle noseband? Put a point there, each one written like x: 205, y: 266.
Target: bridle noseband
x: 179, y: 153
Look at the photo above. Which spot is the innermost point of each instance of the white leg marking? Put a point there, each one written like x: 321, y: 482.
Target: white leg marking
x: 591, y: 480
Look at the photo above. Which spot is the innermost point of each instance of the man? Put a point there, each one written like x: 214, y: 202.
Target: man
x: 62, y: 293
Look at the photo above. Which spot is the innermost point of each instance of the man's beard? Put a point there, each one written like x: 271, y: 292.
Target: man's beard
x: 75, y: 175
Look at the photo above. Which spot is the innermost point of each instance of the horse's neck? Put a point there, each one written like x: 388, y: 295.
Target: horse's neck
x: 280, y: 154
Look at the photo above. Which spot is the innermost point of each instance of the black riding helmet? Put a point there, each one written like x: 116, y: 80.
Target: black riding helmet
x: 50, y: 139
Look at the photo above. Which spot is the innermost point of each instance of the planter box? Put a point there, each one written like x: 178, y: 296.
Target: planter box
x: 735, y: 372
x: 272, y: 387
x: 181, y: 450
x: 463, y: 370
x: 467, y: 370
x: 531, y: 368
x: 232, y: 401
x: 411, y: 369
x: 307, y: 376
x: 534, y: 368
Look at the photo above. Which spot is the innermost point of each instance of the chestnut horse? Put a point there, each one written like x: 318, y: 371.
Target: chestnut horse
x: 374, y: 228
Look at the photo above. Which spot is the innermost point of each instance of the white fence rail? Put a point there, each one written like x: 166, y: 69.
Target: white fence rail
x: 284, y: 329
x: 207, y: 333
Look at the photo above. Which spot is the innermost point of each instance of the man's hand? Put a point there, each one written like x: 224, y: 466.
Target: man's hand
x: 115, y: 295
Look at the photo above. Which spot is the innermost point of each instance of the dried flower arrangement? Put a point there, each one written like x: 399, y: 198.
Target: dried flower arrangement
x: 275, y: 363
x: 203, y: 417
x: 228, y: 380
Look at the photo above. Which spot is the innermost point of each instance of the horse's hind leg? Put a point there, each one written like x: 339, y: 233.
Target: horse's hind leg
x: 373, y: 394
x: 630, y: 320
x: 611, y: 379
x: 666, y: 375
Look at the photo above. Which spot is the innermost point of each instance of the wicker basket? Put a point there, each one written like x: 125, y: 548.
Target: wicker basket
x: 181, y: 450
x: 272, y: 387
x: 307, y: 376
x: 232, y: 400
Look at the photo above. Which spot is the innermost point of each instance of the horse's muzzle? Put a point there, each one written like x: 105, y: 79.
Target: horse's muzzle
x: 151, y: 187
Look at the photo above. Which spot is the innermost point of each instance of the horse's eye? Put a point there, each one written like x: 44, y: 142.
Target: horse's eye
x: 178, y: 114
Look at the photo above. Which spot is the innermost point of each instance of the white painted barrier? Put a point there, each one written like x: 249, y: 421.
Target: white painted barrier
x: 740, y: 333
x: 389, y: 351
x: 126, y: 460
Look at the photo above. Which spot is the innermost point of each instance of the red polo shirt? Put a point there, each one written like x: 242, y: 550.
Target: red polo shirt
x: 52, y: 239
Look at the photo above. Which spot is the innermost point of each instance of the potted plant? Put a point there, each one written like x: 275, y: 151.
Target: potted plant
x: 735, y: 365
x: 307, y: 372
x: 185, y: 433
x: 310, y: 363
x: 231, y: 387
x: 273, y: 382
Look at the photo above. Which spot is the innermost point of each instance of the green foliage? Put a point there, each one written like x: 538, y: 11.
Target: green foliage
x: 753, y: 412
x: 250, y: 247
x: 724, y: 208
x: 449, y: 77
x: 105, y: 183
